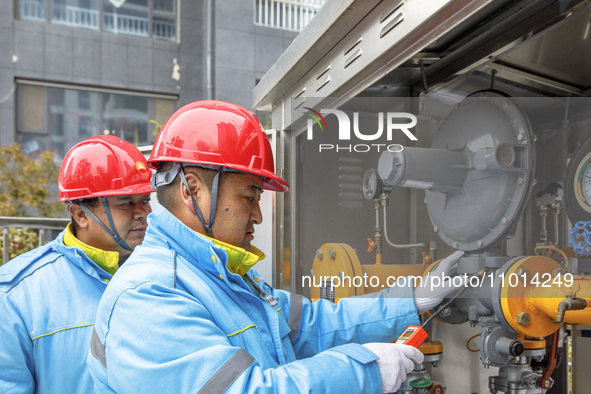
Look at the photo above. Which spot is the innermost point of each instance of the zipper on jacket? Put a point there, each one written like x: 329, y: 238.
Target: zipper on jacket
x: 267, y: 297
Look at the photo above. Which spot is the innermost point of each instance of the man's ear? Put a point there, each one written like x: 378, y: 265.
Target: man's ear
x: 79, y: 215
x: 199, y: 190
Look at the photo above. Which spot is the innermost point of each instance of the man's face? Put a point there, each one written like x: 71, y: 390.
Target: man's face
x: 238, y: 209
x: 129, y: 215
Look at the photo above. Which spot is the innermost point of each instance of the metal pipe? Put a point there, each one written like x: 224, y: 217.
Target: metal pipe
x: 378, y: 234
x: 377, y: 208
x: 5, y: 245
x: 550, y: 307
x: 422, y: 65
x: 36, y: 222
x: 543, y: 231
x: 556, y: 212
x: 569, y: 304
x: 210, y: 54
x: 41, y: 237
x: 396, y: 246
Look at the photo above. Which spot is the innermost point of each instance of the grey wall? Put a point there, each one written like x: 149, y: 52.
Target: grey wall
x: 54, y: 53
x: 244, y: 51
x: 7, y: 40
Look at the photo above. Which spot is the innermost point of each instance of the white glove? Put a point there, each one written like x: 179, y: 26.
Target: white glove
x: 395, y: 362
x: 437, y: 284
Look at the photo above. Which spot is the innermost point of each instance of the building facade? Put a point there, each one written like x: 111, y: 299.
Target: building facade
x: 71, y: 69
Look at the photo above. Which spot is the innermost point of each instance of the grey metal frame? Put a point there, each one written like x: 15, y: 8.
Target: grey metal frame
x: 41, y: 224
x: 327, y: 71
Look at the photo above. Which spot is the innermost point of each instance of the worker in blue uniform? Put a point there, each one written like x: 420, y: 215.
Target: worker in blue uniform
x: 187, y: 313
x: 49, y: 295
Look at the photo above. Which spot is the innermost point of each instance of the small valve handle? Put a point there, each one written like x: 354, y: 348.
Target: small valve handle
x: 372, y: 245
x: 426, y: 259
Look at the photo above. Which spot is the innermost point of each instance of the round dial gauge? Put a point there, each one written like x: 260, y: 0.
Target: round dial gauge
x: 578, y: 185
x: 372, y: 184
x: 584, y: 183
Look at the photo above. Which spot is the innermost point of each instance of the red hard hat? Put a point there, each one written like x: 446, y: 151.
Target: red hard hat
x: 217, y: 133
x: 102, y: 166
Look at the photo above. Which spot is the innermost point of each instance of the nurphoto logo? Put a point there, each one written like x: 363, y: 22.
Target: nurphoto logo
x: 389, y: 122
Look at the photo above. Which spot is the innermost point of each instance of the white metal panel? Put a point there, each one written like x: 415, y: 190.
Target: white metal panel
x: 387, y: 36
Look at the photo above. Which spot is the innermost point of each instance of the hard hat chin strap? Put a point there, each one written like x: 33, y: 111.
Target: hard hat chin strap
x: 212, y: 207
x: 112, y: 231
x: 166, y: 177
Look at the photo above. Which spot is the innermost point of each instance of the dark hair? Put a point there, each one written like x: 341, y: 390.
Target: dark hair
x: 166, y: 194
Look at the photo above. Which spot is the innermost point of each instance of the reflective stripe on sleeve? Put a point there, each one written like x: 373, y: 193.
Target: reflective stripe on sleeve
x: 296, y: 302
x: 98, y: 349
x: 227, y: 374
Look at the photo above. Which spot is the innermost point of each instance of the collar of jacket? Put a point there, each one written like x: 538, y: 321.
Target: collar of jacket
x: 164, y: 227
x: 239, y: 260
x: 106, y: 259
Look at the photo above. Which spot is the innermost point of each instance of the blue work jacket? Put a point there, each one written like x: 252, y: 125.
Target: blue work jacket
x: 48, y: 302
x: 174, y: 319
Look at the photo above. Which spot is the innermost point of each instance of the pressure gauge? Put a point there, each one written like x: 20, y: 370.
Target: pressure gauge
x: 372, y: 184
x: 578, y: 185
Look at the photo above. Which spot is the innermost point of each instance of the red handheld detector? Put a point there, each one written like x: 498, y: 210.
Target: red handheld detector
x: 412, y: 336
x: 415, y: 335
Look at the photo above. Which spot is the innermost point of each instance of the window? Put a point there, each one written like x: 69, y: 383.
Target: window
x: 57, y: 117
x: 164, y: 5
x: 143, y: 18
x: 77, y: 13
x: 163, y: 26
x: 126, y: 117
x: 162, y: 110
x: 129, y: 17
x: 33, y: 10
x: 285, y: 14
x: 32, y: 102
